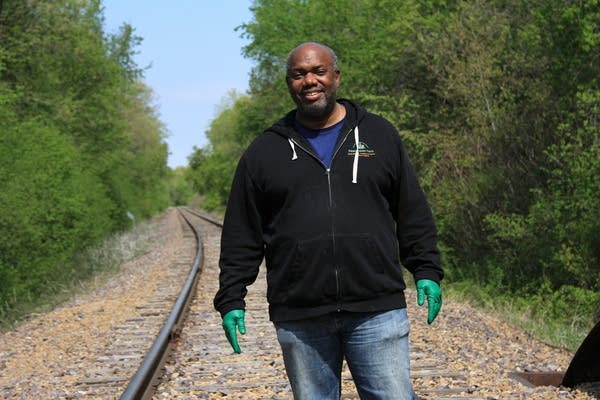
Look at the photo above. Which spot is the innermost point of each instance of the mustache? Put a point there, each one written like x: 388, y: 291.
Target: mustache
x: 311, y: 89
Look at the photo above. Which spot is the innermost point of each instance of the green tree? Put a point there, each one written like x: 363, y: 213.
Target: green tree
x: 50, y: 209
x: 212, y: 167
x: 80, y: 142
x: 497, y: 102
x: 143, y: 160
x: 210, y: 175
x: 181, y: 191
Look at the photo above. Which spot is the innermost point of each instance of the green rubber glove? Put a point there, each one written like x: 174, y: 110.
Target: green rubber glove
x: 232, y: 321
x: 433, y: 292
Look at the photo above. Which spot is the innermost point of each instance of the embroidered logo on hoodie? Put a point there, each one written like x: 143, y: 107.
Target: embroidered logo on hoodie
x: 363, y: 150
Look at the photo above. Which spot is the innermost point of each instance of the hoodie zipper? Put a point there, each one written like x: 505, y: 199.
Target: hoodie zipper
x: 327, y: 170
x: 338, y: 289
x: 336, y: 268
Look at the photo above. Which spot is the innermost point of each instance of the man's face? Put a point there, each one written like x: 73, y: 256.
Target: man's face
x: 313, y: 81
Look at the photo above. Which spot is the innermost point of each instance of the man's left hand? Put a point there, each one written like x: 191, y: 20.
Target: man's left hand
x: 433, y: 292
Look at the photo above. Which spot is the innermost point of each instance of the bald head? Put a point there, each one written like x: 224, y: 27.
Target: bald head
x: 313, y: 46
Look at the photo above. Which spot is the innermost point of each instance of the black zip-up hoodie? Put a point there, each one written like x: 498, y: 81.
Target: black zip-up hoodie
x: 333, y: 239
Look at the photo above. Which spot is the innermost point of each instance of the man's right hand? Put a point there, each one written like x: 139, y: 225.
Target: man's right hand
x: 431, y: 290
x: 232, y: 321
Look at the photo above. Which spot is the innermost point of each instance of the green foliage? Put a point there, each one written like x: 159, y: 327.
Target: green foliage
x: 210, y: 175
x: 368, y: 36
x: 498, y: 104
x: 240, y: 120
x: 235, y: 125
x: 181, y: 191
x: 142, y: 162
x: 46, y: 202
x: 81, y: 143
x: 557, y: 240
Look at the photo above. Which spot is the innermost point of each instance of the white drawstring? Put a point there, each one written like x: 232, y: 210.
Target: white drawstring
x: 355, y: 165
x: 356, y: 154
x: 294, y: 155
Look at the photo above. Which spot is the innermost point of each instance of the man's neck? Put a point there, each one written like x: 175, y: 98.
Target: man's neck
x: 337, y: 114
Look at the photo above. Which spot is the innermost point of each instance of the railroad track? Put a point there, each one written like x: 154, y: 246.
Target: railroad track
x: 203, y: 366
x: 464, y: 355
x: 143, y: 341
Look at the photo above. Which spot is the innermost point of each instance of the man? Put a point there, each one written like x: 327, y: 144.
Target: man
x: 328, y: 196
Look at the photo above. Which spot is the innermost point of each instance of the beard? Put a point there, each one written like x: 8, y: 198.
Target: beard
x: 317, y: 109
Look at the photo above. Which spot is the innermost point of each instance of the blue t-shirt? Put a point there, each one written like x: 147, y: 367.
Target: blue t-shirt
x: 322, y: 140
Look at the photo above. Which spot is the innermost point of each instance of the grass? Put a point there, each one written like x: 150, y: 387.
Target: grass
x: 533, y: 315
x: 85, y: 272
x: 566, y: 333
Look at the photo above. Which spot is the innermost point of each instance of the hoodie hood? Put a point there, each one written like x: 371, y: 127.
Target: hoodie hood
x: 354, y: 115
x: 285, y: 126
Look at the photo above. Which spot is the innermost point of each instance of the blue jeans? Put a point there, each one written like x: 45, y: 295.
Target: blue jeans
x: 375, y: 346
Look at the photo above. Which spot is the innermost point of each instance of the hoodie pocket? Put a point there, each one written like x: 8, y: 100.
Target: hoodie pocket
x: 367, y: 271
x: 307, y: 277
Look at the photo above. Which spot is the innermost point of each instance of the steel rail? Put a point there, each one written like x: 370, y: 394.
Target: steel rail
x: 141, y: 386
x: 205, y: 217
